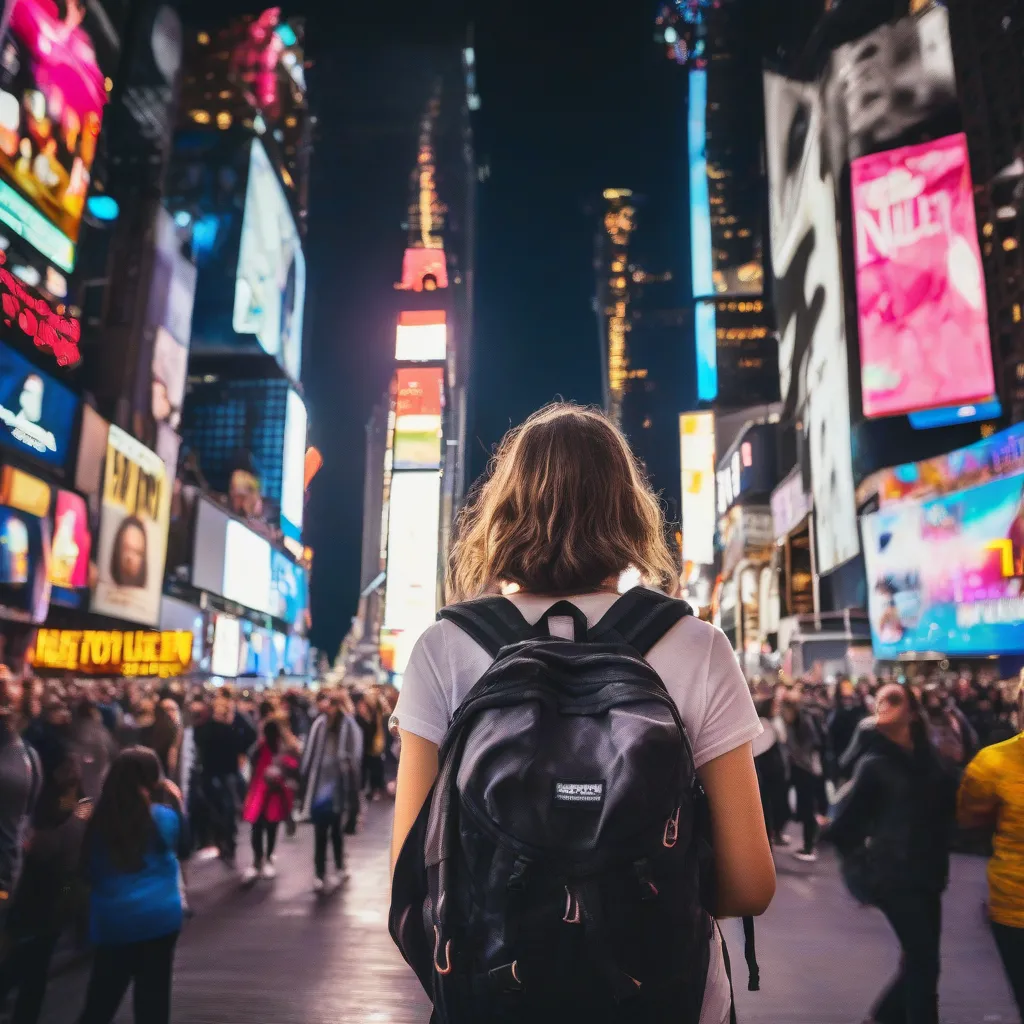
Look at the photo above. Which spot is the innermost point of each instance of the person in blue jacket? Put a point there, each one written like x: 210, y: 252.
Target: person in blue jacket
x: 131, y: 858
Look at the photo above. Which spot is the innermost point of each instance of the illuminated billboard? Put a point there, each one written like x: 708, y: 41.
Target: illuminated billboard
x: 134, y: 521
x: 706, y: 337
x: 697, y: 449
x: 418, y: 402
x: 293, y: 490
x: 413, y: 530
x: 813, y: 372
x: 921, y: 302
x: 945, y: 575
x: 422, y: 336
x: 424, y: 270
x: 114, y: 652
x: 72, y: 546
x: 700, y: 199
x: 270, y: 279
x: 54, y: 59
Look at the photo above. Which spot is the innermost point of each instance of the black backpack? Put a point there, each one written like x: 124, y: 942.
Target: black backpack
x: 557, y: 865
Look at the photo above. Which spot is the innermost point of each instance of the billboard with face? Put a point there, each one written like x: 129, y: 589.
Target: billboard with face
x: 923, y: 313
x: 813, y: 370
x: 133, y: 531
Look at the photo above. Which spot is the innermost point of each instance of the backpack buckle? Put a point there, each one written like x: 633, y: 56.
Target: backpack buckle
x: 671, y: 836
x: 572, y: 907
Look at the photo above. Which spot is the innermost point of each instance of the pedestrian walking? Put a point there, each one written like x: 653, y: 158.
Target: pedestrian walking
x: 992, y: 797
x: 606, y: 785
x: 269, y: 800
x: 892, y: 827
x: 806, y: 770
x: 130, y: 857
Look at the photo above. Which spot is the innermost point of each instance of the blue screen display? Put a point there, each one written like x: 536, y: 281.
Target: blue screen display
x: 700, y: 199
x: 948, y: 416
x: 289, y: 594
x: 37, y: 413
x: 706, y: 335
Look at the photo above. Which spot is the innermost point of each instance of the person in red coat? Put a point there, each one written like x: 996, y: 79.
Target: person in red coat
x: 270, y: 797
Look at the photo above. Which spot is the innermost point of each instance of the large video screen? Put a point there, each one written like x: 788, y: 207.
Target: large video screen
x: 134, y: 522
x: 293, y: 478
x: 924, y: 335
x: 697, y: 450
x: 289, y: 588
x: 814, y: 378
x: 72, y: 547
x: 24, y: 558
x: 418, y: 401
x: 247, y: 572
x: 270, y: 285
x: 411, y: 595
x: 946, y: 575
x: 700, y: 199
x: 37, y: 414
x: 706, y: 344
x: 54, y: 60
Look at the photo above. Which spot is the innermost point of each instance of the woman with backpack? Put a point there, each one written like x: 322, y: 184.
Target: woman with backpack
x: 892, y: 825
x: 130, y: 857
x: 557, y: 861
x: 270, y: 798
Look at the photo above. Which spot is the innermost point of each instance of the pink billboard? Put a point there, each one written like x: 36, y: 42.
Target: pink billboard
x: 924, y: 336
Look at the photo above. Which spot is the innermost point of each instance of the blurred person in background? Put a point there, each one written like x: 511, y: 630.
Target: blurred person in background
x: 163, y: 736
x: 50, y: 896
x: 220, y: 744
x: 94, y: 746
x: 992, y: 797
x: 373, y: 714
x: 847, y: 713
x: 332, y: 770
x: 948, y: 729
x: 891, y: 825
x: 269, y: 800
x: 803, y: 740
x: 20, y: 783
x: 130, y: 856
x: 771, y: 772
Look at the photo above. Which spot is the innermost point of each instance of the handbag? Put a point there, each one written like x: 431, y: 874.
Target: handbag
x: 323, y: 807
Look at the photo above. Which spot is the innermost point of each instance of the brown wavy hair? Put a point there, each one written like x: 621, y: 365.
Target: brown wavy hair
x: 565, y: 508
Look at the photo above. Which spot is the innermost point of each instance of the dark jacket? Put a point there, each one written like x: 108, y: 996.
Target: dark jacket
x: 842, y: 725
x: 892, y: 823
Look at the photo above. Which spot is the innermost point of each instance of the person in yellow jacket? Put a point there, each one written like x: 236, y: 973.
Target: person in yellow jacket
x: 992, y: 794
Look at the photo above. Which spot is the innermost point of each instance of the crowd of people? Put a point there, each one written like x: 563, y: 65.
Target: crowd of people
x: 896, y: 773
x: 108, y: 787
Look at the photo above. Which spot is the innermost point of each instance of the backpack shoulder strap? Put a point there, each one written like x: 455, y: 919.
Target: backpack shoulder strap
x: 640, y: 618
x: 493, y: 622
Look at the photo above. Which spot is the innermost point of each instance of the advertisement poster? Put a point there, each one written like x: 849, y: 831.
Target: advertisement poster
x: 418, y: 402
x: 289, y: 595
x: 52, y: 99
x: 72, y: 548
x: 697, y: 452
x: 422, y: 336
x: 270, y: 284
x: 814, y: 378
x: 293, y: 470
x: 247, y: 571
x: 24, y: 566
x: 946, y: 575
x: 923, y: 314
x: 37, y: 414
x: 133, y: 531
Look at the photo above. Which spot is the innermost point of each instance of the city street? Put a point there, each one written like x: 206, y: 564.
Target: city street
x: 277, y: 954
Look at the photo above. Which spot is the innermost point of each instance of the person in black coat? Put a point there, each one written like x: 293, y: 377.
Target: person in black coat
x: 892, y: 825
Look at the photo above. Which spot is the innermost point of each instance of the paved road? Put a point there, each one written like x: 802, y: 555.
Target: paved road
x: 277, y: 954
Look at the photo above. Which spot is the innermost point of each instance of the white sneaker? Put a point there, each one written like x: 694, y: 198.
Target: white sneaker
x: 318, y: 885
x: 249, y: 875
x: 807, y: 858
x: 268, y: 871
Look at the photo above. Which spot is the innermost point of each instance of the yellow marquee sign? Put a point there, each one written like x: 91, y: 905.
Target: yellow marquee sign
x: 114, y: 651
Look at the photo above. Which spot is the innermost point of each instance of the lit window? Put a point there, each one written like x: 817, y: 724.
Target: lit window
x: 200, y: 116
x: 1009, y: 244
x: 647, y: 423
x: 224, y: 94
x: 203, y: 39
x: 223, y: 120
x: 108, y: 84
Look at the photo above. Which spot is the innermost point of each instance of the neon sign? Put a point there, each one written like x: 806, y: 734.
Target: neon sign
x: 110, y: 651
x: 32, y: 315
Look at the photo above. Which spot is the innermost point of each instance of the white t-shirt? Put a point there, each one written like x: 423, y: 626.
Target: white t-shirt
x: 694, y: 660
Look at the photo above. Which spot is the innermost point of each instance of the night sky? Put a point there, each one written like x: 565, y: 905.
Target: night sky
x: 576, y: 98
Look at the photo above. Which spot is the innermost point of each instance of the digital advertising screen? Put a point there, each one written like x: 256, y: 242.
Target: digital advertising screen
x: 37, y: 413
x: 808, y: 284
x: 422, y: 336
x: 924, y: 334
x: 134, y: 521
x: 289, y: 588
x: 24, y: 566
x: 227, y: 646
x: 419, y: 397
x: 706, y: 338
x: 293, y: 478
x: 424, y: 270
x: 411, y: 595
x: 270, y: 284
x: 54, y: 60
x: 247, y: 572
x: 700, y: 198
x: 70, y: 552
x: 697, y: 449
x: 946, y: 575
x: 107, y: 652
